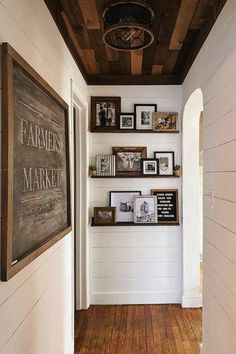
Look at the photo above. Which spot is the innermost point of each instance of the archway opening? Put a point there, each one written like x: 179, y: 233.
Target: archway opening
x: 192, y: 199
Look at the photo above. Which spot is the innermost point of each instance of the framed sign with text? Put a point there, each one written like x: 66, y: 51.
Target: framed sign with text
x: 35, y: 165
x: 167, y: 205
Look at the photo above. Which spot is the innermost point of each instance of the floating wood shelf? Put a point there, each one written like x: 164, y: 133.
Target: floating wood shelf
x: 172, y: 176
x: 133, y: 224
x: 135, y: 131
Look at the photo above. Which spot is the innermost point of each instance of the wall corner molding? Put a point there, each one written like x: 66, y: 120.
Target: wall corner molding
x: 191, y: 301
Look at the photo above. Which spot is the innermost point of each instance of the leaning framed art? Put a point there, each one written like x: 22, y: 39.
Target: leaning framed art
x: 35, y: 164
x: 143, y: 116
x: 128, y: 160
x: 123, y: 201
x: 105, y: 113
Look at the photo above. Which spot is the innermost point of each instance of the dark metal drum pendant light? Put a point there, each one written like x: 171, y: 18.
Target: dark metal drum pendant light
x: 128, y: 25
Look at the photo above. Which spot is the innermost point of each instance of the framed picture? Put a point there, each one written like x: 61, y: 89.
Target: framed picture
x: 150, y: 167
x: 143, y: 114
x: 35, y: 164
x: 165, y: 121
x: 128, y: 160
x: 123, y: 201
x: 105, y: 113
x: 166, y: 162
x: 167, y: 205
x: 127, y: 121
x: 104, y: 216
x: 145, y: 210
x: 105, y: 165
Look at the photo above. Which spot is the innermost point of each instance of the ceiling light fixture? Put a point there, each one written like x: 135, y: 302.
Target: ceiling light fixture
x: 128, y: 25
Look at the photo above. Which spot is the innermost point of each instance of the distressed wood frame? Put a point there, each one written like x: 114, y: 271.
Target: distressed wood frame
x: 10, y: 56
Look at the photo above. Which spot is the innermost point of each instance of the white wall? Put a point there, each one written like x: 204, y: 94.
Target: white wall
x: 135, y: 264
x: 36, y: 306
x: 214, y: 71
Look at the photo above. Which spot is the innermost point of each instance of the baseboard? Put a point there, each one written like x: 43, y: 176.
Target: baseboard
x: 135, y: 298
x: 191, y: 301
x: 71, y: 349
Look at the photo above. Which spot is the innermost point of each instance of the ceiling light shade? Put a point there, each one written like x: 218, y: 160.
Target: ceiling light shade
x: 128, y: 25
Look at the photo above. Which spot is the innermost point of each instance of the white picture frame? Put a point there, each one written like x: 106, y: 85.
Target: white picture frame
x: 145, y: 209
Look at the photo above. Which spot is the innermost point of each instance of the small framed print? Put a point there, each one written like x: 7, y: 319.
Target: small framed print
x: 123, y: 201
x: 150, y: 167
x: 127, y: 121
x: 165, y: 121
x: 143, y: 115
x: 104, y: 216
x: 105, y: 165
x: 145, y: 210
x: 105, y: 113
x: 128, y: 160
x: 166, y: 162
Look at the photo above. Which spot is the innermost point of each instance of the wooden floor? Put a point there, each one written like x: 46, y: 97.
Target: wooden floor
x: 154, y: 329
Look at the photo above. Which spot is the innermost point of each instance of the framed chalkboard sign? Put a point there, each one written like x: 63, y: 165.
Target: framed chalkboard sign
x: 35, y: 165
x: 167, y: 205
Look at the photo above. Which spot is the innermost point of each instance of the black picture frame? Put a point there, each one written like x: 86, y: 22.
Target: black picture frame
x: 148, y: 105
x: 128, y: 115
x: 157, y: 156
x: 125, y: 212
x: 155, y: 173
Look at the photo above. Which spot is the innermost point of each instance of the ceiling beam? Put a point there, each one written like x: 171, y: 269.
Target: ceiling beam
x: 133, y: 80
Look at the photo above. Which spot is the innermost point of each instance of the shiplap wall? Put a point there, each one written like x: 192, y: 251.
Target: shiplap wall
x: 135, y: 264
x: 214, y: 71
x: 36, y: 306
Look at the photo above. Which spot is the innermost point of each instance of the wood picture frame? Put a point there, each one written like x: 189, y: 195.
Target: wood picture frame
x: 166, y: 162
x: 105, y: 113
x: 128, y: 160
x: 35, y: 140
x: 165, y: 121
x: 167, y: 205
x: 104, y: 216
x: 143, y: 115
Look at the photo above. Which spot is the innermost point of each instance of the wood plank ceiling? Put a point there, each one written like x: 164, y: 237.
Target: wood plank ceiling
x: 181, y: 28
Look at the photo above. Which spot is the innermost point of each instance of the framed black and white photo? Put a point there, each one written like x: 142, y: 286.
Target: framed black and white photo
x: 127, y: 121
x: 105, y: 113
x: 145, y: 210
x: 143, y: 115
x: 166, y: 162
x: 150, y: 167
x: 104, y: 216
x: 105, y: 165
x: 123, y: 201
x: 128, y: 160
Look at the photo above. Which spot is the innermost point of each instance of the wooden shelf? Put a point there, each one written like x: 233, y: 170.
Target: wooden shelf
x: 132, y: 224
x: 135, y: 176
x: 136, y: 131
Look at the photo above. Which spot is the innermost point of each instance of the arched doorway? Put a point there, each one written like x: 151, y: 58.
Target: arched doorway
x: 192, y: 200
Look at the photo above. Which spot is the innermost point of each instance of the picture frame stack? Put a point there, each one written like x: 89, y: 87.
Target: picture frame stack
x: 127, y: 208
x: 106, y: 117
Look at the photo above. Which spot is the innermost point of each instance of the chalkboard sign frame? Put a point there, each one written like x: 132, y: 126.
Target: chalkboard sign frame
x: 156, y: 191
x: 9, y: 268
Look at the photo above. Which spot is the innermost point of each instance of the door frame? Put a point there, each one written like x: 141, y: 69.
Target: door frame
x: 79, y: 151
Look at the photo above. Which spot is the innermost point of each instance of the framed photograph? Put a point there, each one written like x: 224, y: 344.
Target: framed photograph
x: 128, y: 160
x: 167, y: 205
x: 143, y: 115
x: 165, y: 121
x: 166, y: 162
x: 123, y: 201
x: 104, y: 216
x: 35, y: 165
x: 105, y: 165
x: 150, y: 167
x: 105, y: 113
x: 127, y: 121
x: 145, y: 210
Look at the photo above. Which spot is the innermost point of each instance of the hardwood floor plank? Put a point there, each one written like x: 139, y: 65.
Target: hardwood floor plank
x: 138, y: 329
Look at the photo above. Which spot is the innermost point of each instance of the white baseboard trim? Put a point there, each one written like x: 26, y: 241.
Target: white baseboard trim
x: 191, y: 301
x: 72, y: 348
x: 135, y: 298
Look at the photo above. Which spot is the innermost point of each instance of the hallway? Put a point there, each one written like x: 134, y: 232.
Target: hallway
x: 154, y: 329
